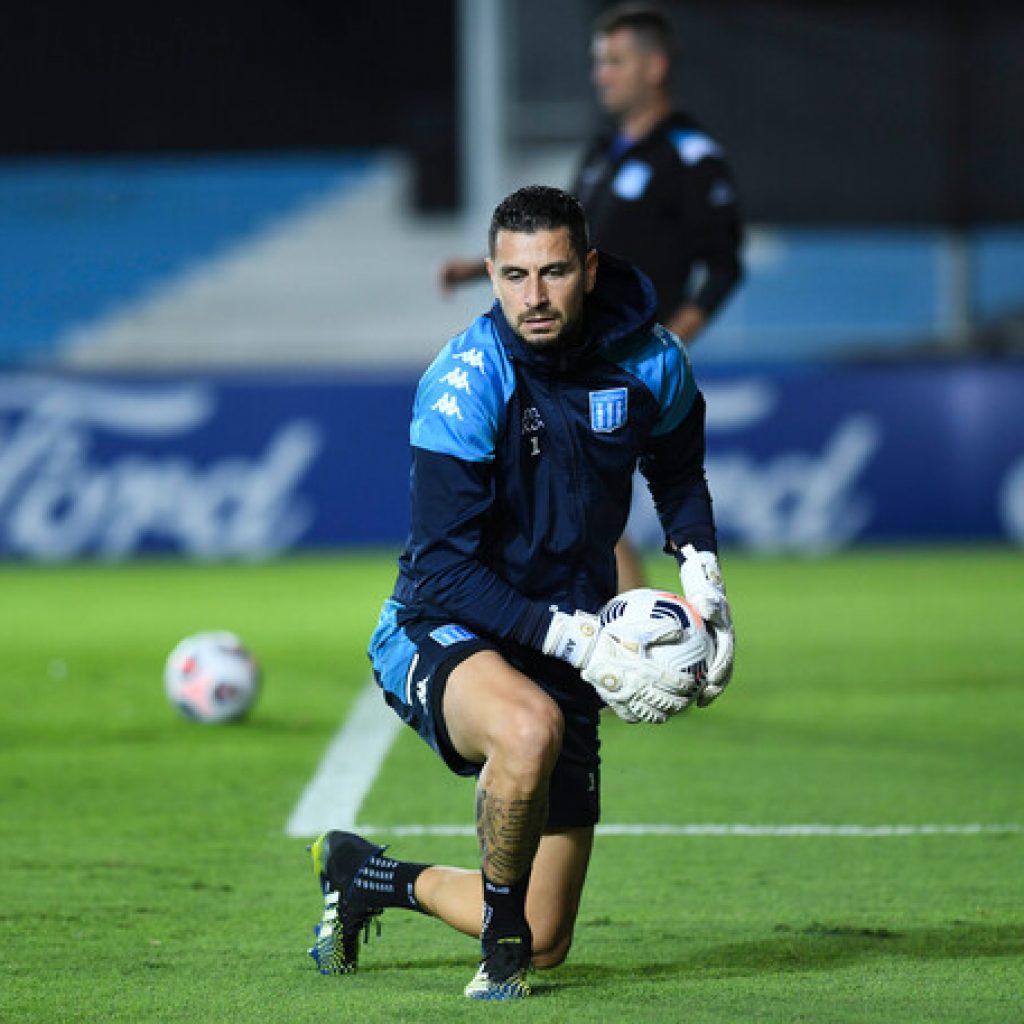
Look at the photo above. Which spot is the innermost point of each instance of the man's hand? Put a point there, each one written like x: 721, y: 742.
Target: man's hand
x: 612, y: 659
x: 687, y: 322
x: 704, y: 589
x: 456, y: 272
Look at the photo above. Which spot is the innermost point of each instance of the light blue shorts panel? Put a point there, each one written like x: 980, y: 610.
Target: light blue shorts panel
x: 412, y: 659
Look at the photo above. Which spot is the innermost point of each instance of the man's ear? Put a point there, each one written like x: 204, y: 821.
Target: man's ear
x: 590, y: 271
x: 657, y: 69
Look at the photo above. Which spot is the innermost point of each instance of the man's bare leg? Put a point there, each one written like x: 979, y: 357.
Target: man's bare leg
x: 528, y: 886
x: 560, y: 865
x: 630, y: 567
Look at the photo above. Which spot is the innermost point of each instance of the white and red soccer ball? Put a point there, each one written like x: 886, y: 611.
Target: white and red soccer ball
x: 212, y: 678
x: 679, y: 640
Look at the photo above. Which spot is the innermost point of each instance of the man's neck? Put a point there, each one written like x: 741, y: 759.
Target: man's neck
x: 637, y: 123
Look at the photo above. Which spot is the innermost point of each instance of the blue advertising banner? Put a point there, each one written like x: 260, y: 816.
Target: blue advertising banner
x: 799, y: 459
x: 205, y: 467
x: 817, y: 458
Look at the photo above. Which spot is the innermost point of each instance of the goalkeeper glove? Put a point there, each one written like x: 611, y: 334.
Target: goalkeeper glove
x: 612, y: 659
x: 704, y: 589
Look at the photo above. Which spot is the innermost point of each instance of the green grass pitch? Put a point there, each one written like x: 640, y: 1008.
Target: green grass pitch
x: 145, y: 874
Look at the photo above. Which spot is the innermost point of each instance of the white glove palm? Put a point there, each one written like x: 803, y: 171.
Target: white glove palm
x: 704, y: 589
x: 612, y: 659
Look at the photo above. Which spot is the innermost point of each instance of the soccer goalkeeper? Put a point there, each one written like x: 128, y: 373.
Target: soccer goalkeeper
x: 525, y: 433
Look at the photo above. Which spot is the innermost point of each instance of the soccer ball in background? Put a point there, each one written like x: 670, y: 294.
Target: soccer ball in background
x: 669, y: 629
x: 212, y: 678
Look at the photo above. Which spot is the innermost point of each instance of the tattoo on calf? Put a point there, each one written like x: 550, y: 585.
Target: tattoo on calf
x: 509, y: 831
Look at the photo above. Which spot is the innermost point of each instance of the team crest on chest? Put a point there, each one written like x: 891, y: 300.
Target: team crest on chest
x: 608, y: 410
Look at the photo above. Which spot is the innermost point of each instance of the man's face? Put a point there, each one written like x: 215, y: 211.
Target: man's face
x: 541, y: 283
x: 625, y: 75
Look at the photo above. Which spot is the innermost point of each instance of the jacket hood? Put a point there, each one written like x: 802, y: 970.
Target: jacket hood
x: 622, y: 302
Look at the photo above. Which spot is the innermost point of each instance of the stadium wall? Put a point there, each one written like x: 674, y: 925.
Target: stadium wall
x: 896, y: 113
x: 804, y: 459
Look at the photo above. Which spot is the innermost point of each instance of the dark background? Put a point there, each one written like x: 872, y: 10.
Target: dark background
x: 832, y: 113
x: 892, y: 112
x: 225, y: 76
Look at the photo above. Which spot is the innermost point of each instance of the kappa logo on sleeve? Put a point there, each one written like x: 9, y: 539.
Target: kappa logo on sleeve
x: 458, y: 379
x: 471, y: 357
x: 451, y: 634
x: 608, y: 410
x: 447, y: 405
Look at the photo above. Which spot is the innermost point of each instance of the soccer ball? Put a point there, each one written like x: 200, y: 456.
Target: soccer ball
x: 667, y: 627
x: 212, y: 678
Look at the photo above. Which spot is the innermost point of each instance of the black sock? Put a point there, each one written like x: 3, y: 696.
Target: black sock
x: 384, y: 882
x: 505, y: 911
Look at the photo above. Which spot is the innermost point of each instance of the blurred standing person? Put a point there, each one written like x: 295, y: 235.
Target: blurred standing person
x: 656, y: 188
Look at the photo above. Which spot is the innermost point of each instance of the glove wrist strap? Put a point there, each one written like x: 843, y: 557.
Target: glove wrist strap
x: 571, y: 637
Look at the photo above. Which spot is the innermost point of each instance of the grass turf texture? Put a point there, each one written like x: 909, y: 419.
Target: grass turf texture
x: 145, y: 874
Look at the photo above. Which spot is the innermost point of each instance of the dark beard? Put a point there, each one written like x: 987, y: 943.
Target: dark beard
x: 568, y: 337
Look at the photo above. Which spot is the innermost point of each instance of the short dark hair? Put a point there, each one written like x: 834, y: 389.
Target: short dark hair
x: 540, y: 208
x: 648, y: 22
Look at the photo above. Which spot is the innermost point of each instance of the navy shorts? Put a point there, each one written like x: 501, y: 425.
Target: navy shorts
x: 412, y: 658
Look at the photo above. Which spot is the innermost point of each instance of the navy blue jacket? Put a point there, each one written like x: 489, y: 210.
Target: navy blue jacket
x: 522, y: 462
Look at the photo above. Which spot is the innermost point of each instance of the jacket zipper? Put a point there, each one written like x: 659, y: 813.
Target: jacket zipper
x: 578, y: 497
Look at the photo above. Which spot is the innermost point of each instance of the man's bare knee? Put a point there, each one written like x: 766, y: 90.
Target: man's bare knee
x: 495, y: 713
x: 551, y: 952
x: 528, y: 738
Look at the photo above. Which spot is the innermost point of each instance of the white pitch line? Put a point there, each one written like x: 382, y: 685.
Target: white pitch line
x: 841, y: 831
x: 354, y: 757
x: 348, y: 768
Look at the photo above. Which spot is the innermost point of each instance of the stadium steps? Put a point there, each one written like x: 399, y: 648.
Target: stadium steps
x: 349, y: 280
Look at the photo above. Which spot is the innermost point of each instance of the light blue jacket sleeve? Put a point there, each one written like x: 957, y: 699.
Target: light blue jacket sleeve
x: 664, y: 368
x: 461, y: 399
